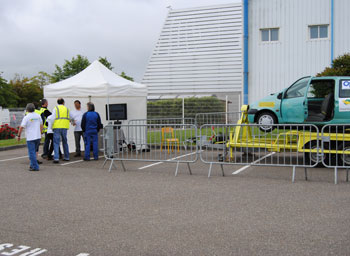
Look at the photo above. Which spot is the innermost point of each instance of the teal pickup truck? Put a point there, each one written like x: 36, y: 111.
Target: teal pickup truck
x: 310, y: 100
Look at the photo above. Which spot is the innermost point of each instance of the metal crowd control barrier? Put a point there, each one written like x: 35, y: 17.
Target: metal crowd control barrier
x: 217, y: 118
x: 162, y: 121
x: 150, y: 143
x: 245, y: 144
x: 336, y: 148
x: 294, y: 145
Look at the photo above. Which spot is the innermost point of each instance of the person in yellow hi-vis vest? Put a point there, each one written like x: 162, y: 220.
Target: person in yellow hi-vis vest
x: 44, y: 113
x: 60, y: 119
x: 36, y: 110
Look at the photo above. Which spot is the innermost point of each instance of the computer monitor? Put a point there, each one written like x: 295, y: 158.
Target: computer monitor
x: 117, y: 112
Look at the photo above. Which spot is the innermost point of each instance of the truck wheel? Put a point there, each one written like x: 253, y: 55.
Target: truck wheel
x: 344, y: 158
x: 311, y: 158
x: 329, y: 158
x: 266, y: 121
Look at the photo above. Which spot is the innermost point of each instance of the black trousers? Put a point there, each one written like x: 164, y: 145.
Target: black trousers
x: 77, y: 136
x: 46, y: 144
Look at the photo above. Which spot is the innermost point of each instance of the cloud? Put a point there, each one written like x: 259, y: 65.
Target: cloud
x: 37, y: 34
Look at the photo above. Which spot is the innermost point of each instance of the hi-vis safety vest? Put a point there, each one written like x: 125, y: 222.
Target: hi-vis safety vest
x: 62, y: 118
x: 42, y: 110
x: 35, y: 111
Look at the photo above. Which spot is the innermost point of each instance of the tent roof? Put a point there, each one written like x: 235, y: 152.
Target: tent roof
x: 95, y: 80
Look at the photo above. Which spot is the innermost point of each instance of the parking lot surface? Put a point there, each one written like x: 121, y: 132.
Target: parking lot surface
x: 81, y: 209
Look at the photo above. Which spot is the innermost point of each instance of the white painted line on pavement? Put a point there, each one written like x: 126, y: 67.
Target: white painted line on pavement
x: 256, y: 161
x: 15, y: 158
x: 150, y: 165
x: 78, y: 161
x: 11, y: 249
x: 241, y: 169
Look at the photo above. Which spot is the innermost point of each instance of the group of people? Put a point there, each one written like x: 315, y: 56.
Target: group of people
x: 54, y: 125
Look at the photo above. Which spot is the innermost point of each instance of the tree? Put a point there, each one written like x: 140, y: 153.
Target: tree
x: 105, y: 62
x: 108, y: 65
x: 26, y: 90
x: 340, y: 67
x: 8, y: 98
x: 70, y: 68
x: 76, y: 65
x: 41, y: 79
x: 122, y: 74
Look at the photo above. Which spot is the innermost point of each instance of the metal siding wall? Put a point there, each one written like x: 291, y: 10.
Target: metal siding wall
x: 275, y: 65
x: 341, y: 27
x: 199, y: 51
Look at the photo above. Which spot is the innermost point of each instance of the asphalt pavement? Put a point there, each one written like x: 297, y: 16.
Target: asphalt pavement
x: 81, y: 209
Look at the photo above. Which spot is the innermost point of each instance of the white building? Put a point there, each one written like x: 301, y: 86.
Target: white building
x: 248, y: 49
x: 290, y: 39
x: 198, y: 53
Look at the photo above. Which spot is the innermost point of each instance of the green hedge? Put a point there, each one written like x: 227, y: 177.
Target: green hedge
x: 173, y: 107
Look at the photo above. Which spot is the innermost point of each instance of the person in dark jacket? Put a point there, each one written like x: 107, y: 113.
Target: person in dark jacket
x: 91, y: 125
x: 45, y: 113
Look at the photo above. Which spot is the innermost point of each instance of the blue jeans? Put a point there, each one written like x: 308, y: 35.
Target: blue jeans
x: 32, y: 145
x: 57, y: 135
x: 91, y: 136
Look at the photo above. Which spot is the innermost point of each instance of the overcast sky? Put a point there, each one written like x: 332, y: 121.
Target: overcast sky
x: 37, y: 34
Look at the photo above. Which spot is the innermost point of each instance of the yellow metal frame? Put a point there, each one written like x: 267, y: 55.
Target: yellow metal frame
x: 294, y: 141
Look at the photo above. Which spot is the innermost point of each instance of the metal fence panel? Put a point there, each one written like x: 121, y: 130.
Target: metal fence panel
x: 13, y: 117
x: 293, y: 145
x: 16, y: 116
x: 151, y: 143
x: 336, y: 148
x: 217, y: 118
x: 170, y: 120
x: 245, y: 144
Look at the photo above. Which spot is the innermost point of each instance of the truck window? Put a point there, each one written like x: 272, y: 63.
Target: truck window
x: 344, y: 88
x: 298, y: 89
x: 320, y: 88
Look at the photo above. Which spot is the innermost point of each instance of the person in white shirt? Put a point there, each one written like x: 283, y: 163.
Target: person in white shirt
x: 50, y: 121
x: 76, y: 116
x: 33, y: 124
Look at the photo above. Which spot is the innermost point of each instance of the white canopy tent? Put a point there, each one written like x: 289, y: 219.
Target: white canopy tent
x: 101, y: 86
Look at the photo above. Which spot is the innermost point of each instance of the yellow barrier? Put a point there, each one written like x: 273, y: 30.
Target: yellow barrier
x: 295, y: 141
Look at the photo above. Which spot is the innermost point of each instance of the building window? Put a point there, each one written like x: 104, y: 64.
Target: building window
x: 318, y: 31
x: 269, y: 34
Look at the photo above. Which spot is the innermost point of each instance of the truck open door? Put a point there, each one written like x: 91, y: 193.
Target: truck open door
x: 294, y: 102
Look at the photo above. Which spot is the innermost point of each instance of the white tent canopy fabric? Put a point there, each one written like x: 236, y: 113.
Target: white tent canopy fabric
x: 96, y: 80
x: 103, y: 87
